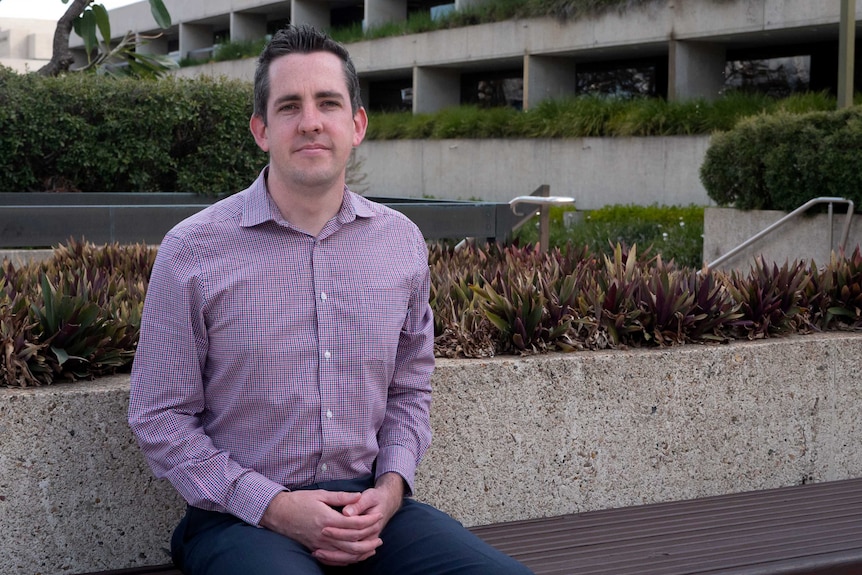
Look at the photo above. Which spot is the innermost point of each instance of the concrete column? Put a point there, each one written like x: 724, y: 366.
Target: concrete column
x: 379, y: 12
x: 40, y: 46
x: 435, y: 89
x: 6, y: 43
x: 547, y: 77
x: 846, y: 53
x: 314, y: 12
x: 247, y: 27
x: 194, y: 37
x: 695, y: 70
x: 149, y: 45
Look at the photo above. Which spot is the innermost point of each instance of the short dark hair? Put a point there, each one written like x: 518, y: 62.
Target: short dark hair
x: 301, y: 39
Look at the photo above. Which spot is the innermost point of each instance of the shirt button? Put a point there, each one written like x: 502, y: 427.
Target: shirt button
x: 328, y: 414
x: 327, y: 355
x: 323, y: 467
x: 323, y: 296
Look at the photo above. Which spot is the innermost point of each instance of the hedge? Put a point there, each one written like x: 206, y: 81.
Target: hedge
x: 780, y: 161
x: 83, y: 132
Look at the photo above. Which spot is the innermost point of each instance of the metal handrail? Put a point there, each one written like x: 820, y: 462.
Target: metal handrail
x: 804, y: 207
x: 539, y: 201
x: 540, y: 197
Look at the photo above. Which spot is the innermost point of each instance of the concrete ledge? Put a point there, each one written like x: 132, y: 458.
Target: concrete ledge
x: 595, y: 171
x: 514, y: 438
x: 20, y: 258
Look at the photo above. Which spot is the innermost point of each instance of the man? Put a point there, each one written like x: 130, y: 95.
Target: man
x: 281, y: 381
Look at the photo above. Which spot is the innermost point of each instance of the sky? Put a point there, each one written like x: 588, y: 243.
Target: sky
x: 46, y: 9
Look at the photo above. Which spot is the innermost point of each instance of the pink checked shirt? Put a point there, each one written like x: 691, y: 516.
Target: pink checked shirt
x: 270, y: 359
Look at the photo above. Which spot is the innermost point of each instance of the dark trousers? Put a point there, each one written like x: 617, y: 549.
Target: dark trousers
x: 417, y: 540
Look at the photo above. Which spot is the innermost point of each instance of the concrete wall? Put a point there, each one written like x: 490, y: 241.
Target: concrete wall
x: 26, y: 45
x: 807, y: 237
x: 236, y: 69
x: 514, y: 438
x: 595, y: 171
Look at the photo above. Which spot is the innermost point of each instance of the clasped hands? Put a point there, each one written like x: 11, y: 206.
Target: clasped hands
x: 336, y: 538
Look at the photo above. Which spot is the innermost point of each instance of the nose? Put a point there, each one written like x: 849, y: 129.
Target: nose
x: 310, y: 121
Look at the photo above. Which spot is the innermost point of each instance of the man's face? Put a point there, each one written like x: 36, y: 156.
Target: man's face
x: 310, y: 129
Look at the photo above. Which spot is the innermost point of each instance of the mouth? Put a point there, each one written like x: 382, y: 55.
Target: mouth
x: 312, y: 147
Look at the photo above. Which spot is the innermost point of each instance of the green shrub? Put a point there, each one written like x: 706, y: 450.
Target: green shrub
x: 674, y: 232
x: 482, y: 13
x: 783, y: 160
x: 591, y: 116
x: 238, y: 49
x: 84, y: 132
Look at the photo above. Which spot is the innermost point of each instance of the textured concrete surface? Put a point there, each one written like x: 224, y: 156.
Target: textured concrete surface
x: 595, y: 171
x: 514, y: 438
x: 806, y: 237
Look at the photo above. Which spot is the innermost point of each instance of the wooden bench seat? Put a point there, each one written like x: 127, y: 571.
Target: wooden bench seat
x: 813, y: 529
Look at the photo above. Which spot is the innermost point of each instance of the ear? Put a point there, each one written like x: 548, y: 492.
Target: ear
x: 360, y: 124
x: 258, y: 130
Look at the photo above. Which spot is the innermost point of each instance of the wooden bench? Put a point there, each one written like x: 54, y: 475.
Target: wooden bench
x: 813, y: 529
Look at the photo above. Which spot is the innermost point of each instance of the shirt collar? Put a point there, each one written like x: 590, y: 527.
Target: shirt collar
x: 259, y: 206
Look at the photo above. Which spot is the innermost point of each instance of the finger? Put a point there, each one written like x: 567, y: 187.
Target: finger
x: 355, y: 548
x: 339, y: 559
x: 352, y: 528
x: 361, y: 506
x: 352, y: 535
x: 338, y: 499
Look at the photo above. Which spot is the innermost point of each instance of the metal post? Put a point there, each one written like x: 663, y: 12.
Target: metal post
x: 541, y: 197
x: 544, y: 220
x: 846, y: 53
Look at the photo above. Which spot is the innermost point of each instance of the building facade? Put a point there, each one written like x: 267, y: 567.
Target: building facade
x: 26, y: 45
x: 679, y: 49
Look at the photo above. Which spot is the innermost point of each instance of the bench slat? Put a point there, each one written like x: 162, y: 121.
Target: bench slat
x: 811, y: 529
x: 783, y: 531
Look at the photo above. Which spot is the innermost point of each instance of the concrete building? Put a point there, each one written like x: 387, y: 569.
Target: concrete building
x: 683, y: 48
x: 26, y: 45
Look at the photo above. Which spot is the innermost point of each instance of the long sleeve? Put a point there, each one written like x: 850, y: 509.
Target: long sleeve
x: 167, y: 394
x: 406, y: 431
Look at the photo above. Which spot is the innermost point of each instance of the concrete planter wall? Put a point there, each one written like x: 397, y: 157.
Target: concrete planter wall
x: 807, y: 237
x: 595, y: 171
x: 514, y: 438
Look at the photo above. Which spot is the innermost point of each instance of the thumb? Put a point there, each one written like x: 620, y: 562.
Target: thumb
x: 370, y: 500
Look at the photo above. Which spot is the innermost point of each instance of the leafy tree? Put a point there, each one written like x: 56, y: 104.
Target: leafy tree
x: 88, y: 19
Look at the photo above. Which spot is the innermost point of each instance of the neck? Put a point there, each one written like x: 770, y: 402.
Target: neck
x: 307, y: 209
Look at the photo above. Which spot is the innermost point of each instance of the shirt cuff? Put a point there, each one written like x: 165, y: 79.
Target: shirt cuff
x: 397, y: 459
x: 252, y: 495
